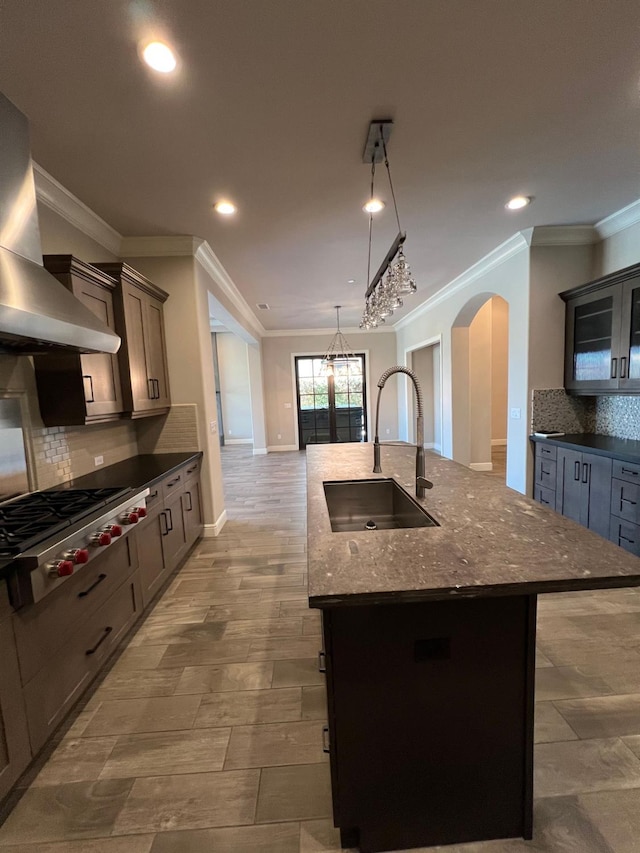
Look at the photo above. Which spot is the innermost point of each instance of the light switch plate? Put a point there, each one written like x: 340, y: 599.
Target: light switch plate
x: 515, y: 414
x: 98, y: 460
x: 287, y: 405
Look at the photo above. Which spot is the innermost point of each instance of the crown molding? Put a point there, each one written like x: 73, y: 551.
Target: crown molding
x: 185, y: 245
x: 58, y: 198
x: 561, y: 235
x: 618, y: 221
x: 513, y: 246
x: 305, y: 333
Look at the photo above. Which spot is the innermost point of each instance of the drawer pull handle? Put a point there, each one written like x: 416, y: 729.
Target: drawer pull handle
x: 623, y: 367
x: 86, y: 592
x: 625, y: 539
x: 191, y: 470
x: 322, y: 661
x: 325, y: 739
x: 173, y: 482
x: 544, y: 501
x: 104, y: 636
x: 190, y: 507
x: 629, y: 471
x: 153, y: 495
x: 626, y: 501
x: 92, y: 398
x: 542, y: 471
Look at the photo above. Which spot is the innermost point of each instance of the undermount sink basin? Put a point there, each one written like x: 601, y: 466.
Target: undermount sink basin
x: 379, y: 504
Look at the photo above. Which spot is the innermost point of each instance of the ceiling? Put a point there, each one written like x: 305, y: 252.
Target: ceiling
x: 271, y: 105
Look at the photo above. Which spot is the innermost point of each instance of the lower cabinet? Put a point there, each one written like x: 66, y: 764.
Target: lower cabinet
x: 583, y: 490
x: 173, y: 525
x: 15, y: 752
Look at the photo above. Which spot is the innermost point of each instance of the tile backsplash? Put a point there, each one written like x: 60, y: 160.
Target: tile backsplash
x: 554, y: 409
x: 62, y: 453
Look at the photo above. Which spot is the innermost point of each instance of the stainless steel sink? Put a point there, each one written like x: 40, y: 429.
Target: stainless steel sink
x: 379, y: 504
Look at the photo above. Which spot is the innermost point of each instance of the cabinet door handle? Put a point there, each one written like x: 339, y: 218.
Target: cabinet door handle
x: 85, y: 592
x: 322, y: 661
x: 614, y: 368
x: 576, y: 471
x: 157, y: 386
x: 92, y: 397
x: 623, y: 367
x: 150, y: 389
x: 170, y: 526
x: 190, y: 507
x: 104, y: 636
x: 166, y: 523
x: 629, y: 471
x: 585, y: 472
x: 325, y: 739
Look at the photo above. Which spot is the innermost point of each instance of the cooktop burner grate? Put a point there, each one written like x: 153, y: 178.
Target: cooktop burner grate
x: 32, y: 518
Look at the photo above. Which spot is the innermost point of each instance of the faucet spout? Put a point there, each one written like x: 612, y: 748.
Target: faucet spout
x: 421, y: 482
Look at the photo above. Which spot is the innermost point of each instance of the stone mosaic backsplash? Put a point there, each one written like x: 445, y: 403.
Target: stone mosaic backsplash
x: 62, y: 453
x: 554, y: 409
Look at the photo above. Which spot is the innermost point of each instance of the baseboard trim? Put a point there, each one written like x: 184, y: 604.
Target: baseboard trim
x: 238, y: 440
x: 212, y: 530
x: 260, y: 451
x: 498, y: 442
x: 279, y: 448
x: 481, y: 466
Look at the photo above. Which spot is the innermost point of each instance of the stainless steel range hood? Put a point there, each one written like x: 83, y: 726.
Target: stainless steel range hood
x: 37, y: 313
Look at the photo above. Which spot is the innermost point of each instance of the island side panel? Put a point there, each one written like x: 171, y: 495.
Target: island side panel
x: 431, y: 720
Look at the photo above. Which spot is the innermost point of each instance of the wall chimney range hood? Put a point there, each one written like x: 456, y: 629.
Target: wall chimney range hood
x: 37, y: 313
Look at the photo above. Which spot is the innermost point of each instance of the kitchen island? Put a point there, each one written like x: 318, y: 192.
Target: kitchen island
x: 429, y: 648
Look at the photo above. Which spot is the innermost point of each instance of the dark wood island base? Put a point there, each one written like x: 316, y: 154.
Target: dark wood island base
x: 431, y: 711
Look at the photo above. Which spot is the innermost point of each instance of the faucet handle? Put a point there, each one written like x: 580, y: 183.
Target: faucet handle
x: 422, y: 482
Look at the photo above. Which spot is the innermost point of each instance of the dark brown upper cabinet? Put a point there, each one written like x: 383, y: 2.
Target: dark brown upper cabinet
x: 75, y: 389
x: 143, y: 354
x: 602, y: 335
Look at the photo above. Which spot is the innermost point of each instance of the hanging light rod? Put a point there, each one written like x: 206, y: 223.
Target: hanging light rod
x: 373, y: 150
x: 393, y: 251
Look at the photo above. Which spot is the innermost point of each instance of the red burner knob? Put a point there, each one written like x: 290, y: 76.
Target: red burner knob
x: 113, y: 530
x: 78, y: 555
x: 61, y: 568
x: 130, y: 518
x: 101, y: 538
x: 141, y: 511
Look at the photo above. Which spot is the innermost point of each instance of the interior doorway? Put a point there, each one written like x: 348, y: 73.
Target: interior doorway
x: 425, y: 363
x: 331, y: 403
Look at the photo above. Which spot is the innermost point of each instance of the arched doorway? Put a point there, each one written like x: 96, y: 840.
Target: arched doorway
x: 479, y: 381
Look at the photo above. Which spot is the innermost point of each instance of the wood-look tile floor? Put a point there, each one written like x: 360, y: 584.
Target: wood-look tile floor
x: 205, y: 735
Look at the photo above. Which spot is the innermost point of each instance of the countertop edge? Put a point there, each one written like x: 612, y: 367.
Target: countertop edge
x: 570, y: 442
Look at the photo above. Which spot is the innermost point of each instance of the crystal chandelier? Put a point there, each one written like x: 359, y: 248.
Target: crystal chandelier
x: 339, y: 355
x: 393, y: 279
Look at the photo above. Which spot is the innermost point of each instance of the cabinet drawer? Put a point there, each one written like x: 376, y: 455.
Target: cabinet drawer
x: 625, y: 500
x: 627, y: 471
x: 546, y: 473
x: 545, y: 496
x: 58, y: 685
x: 626, y: 535
x: 546, y: 451
x: 154, y: 498
x: 173, y: 484
x: 43, y: 628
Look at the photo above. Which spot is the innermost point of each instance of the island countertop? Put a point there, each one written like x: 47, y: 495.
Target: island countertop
x: 491, y: 540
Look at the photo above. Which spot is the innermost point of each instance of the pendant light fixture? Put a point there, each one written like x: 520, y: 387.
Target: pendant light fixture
x: 393, y: 279
x: 339, y: 355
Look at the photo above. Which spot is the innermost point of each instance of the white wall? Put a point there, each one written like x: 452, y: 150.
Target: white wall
x: 499, y: 368
x: 480, y: 390
x: 235, y: 388
x: 620, y: 250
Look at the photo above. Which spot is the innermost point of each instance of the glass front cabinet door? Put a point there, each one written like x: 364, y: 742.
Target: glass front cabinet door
x: 630, y: 336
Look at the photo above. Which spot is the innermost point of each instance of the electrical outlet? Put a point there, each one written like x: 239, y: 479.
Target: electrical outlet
x: 388, y: 431
x: 229, y: 432
x: 279, y: 436
x: 98, y: 460
x: 515, y: 414
x: 213, y: 426
x: 287, y: 405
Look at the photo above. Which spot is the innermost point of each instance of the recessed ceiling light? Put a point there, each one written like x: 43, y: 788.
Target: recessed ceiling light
x: 518, y: 201
x: 160, y: 57
x: 374, y: 205
x: 226, y: 208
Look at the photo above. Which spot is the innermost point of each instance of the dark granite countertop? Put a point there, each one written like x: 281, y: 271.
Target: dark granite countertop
x: 492, y: 540
x: 625, y: 449
x: 137, y: 472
